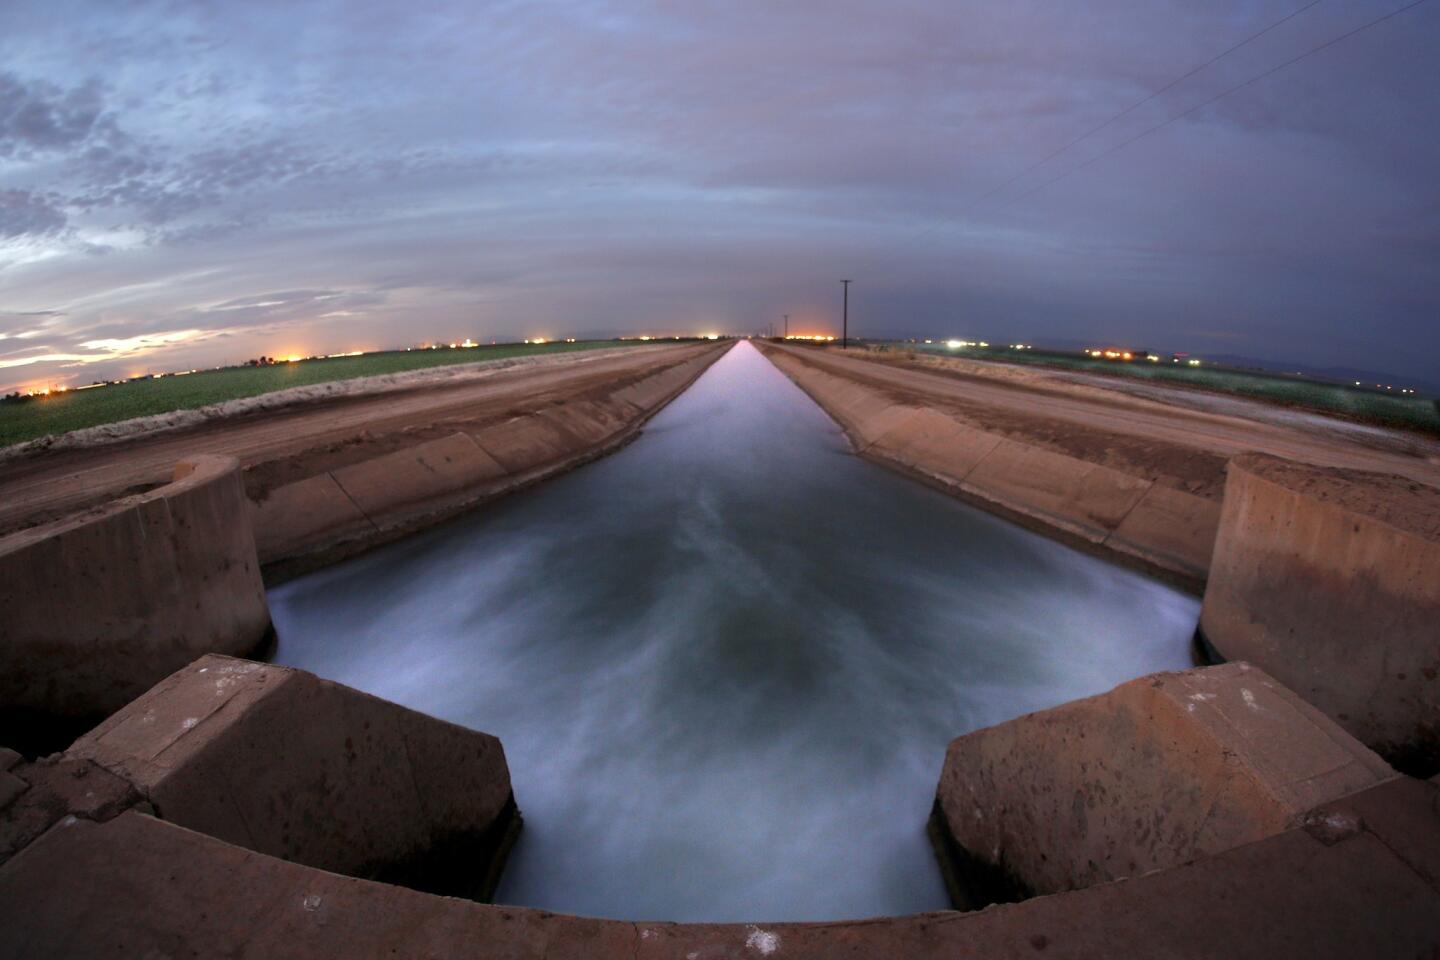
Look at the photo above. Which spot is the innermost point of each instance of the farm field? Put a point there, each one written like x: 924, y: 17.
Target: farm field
x: 77, y: 409
x: 1410, y: 412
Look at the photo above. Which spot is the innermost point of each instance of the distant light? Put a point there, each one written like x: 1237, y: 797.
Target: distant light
x: 712, y: 336
x: 293, y: 359
x: 954, y: 344
x: 645, y: 337
x: 1194, y: 363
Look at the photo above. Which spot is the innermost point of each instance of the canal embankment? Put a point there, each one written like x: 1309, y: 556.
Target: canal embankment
x: 242, y: 807
x: 1154, y: 508
x: 99, y: 603
x: 776, y: 638
x: 1311, y: 568
x: 1125, y: 476
x: 302, y: 435
x: 315, y: 508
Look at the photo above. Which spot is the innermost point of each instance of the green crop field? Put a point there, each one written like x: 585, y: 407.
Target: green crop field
x: 77, y: 409
x: 1388, y: 409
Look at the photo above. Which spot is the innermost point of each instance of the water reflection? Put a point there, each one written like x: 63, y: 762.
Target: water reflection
x: 725, y: 662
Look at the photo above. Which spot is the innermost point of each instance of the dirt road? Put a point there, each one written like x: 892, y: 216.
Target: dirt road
x: 280, y: 446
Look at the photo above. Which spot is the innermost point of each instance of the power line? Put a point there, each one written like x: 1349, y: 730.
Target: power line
x: 1140, y: 103
x: 1219, y: 96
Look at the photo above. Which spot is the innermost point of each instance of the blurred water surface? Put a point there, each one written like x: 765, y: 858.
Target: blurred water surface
x: 725, y: 662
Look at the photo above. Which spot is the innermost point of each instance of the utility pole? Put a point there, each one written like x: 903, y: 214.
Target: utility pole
x: 845, y: 317
x: 787, y: 326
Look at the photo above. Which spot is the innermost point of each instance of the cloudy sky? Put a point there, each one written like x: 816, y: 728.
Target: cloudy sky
x: 194, y: 183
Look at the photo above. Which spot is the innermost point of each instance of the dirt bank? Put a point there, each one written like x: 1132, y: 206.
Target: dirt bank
x: 277, y: 446
x: 320, y: 505
x: 106, y: 433
x: 1130, y: 476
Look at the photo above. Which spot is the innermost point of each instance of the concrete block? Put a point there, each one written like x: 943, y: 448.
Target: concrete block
x: 52, y: 790
x: 289, y: 765
x: 1156, y: 772
x: 1330, y: 580
x: 96, y: 608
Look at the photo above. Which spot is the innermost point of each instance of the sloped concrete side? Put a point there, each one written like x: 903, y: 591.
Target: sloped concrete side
x: 1156, y: 772
x: 323, y: 518
x: 96, y: 608
x: 1158, y: 528
x: 1330, y: 581
x: 283, y: 763
x: 1359, y: 878
x: 429, y: 471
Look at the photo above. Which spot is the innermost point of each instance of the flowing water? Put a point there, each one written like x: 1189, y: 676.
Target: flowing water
x: 725, y: 662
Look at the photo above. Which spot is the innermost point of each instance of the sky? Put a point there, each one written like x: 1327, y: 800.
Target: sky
x: 188, y: 184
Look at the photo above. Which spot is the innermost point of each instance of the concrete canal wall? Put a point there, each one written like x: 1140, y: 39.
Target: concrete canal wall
x: 322, y: 518
x: 1162, y: 529
x: 95, y: 608
x: 286, y: 764
x: 1330, y: 580
x: 93, y: 861
x: 290, y: 766
x: 1324, y: 577
x: 1157, y: 772
x: 240, y: 807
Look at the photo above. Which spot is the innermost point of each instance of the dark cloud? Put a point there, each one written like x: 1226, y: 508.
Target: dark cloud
x: 25, y: 213
x: 454, y: 169
x: 37, y: 116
